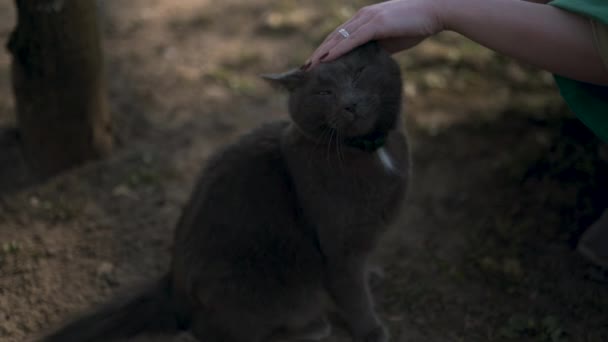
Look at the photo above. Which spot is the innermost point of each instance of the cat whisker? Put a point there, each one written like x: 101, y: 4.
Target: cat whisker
x: 324, y: 135
x: 331, y: 135
x: 340, y: 151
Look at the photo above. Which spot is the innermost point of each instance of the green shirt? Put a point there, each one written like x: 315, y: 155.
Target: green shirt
x: 589, y: 102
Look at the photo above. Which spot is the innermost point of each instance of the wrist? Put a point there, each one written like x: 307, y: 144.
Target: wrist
x: 452, y: 13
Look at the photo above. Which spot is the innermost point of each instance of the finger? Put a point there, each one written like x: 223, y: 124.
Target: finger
x: 336, y: 38
x: 359, y: 37
x: 333, y: 34
x: 322, y: 48
x: 362, y: 17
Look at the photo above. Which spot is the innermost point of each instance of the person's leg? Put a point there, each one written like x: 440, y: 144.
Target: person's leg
x: 593, y: 244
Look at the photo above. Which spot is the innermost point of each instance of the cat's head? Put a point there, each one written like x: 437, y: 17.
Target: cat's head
x: 356, y: 95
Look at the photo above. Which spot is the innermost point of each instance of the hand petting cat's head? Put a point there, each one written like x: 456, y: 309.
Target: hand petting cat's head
x: 356, y: 95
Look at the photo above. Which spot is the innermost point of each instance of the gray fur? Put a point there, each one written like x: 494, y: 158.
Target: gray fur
x: 280, y: 225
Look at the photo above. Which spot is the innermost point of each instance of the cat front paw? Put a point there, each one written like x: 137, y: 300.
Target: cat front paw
x: 378, y: 334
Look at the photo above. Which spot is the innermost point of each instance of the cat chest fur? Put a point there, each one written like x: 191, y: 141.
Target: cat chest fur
x: 348, y: 190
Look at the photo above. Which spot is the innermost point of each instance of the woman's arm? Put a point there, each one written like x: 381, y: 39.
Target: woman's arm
x: 542, y: 35
x: 539, y: 34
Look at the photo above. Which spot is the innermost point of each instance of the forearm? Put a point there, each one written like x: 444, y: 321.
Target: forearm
x: 542, y: 35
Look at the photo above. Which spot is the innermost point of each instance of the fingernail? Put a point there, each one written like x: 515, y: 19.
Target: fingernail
x: 324, y: 56
x: 306, y: 65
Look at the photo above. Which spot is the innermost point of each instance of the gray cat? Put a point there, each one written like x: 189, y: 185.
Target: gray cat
x: 279, y: 228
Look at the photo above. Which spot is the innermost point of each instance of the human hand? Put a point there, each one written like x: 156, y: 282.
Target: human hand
x: 397, y: 25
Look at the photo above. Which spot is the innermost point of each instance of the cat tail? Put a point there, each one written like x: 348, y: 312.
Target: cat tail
x: 150, y: 310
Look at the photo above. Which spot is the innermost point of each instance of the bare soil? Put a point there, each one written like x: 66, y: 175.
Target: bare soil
x: 505, y: 178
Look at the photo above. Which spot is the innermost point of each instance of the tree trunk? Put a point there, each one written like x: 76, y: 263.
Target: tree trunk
x: 59, y: 84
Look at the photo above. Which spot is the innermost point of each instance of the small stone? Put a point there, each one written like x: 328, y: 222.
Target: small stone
x: 411, y: 90
x: 106, y: 272
x: 105, y: 268
x: 34, y: 202
x: 434, y: 80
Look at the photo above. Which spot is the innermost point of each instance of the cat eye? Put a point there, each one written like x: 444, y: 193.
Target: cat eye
x: 324, y: 92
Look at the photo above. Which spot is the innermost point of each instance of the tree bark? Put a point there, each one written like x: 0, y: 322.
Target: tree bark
x: 59, y: 84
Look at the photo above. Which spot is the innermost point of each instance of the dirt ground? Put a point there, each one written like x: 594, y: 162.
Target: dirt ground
x: 505, y: 178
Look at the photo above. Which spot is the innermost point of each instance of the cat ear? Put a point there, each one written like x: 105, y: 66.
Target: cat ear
x: 289, y: 80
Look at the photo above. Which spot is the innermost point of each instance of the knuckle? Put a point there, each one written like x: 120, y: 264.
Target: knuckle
x: 380, y: 17
x: 366, y: 11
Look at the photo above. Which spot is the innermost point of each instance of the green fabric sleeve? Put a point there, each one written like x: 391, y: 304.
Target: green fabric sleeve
x: 600, y: 36
x: 589, y: 102
x: 596, y: 9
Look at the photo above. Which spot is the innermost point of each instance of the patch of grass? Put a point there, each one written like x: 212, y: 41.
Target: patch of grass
x: 542, y: 329
x: 8, y: 249
x: 57, y: 210
x: 12, y: 247
x: 143, y: 176
x: 410, y: 294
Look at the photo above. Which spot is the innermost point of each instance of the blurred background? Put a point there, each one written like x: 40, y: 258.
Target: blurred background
x: 505, y: 178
